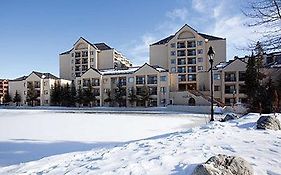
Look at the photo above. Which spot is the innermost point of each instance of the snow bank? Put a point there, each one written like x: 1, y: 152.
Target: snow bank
x: 174, y: 153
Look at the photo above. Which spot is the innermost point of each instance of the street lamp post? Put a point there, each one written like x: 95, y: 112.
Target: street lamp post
x: 211, y: 55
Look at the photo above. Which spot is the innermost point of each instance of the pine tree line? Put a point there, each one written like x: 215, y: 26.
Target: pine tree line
x: 263, y: 96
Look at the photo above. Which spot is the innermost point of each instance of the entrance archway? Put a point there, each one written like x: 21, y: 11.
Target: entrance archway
x: 191, y: 102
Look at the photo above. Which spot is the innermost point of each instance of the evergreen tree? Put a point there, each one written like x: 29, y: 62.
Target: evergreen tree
x: 65, y: 95
x: 109, y: 98
x: 252, y: 83
x: 88, y: 96
x: 120, y: 95
x: 144, y: 96
x: 17, y: 98
x: 73, y: 94
x: 55, y: 95
x: 79, y: 96
x: 7, y: 98
x: 31, y: 95
x: 132, y: 97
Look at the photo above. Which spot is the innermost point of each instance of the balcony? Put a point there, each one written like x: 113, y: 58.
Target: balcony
x: 84, y: 53
x: 85, y: 61
x: 181, y: 61
x: 181, y: 45
x: 191, y: 77
x: 152, y: 90
x: 191, y: 61
x: 140, y: 80
x: 181, y: 53
x: 77, y: 61
x: 191, y: 52
x: 77, y: 54
x: 181, y: 78
x: 181, y: 70
x: 191, y: 44
x: 191, y: 69
x: 151, y: 79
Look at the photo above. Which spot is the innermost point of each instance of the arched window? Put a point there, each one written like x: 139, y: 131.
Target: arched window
x: 191, y: 102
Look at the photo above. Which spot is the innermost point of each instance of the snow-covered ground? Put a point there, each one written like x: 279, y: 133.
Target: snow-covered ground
x: 27, y: 135
x: 173, y: 153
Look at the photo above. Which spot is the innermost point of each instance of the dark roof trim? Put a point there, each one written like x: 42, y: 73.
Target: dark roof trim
x: 102, y: 46
x: 67, y: 52
x: 96, y: 70
x: 210, y: 37
x: 163, y: 41
x: 232, y: 61
x: 86, y: 42
x: 47, y: 75
x: 19, y: 79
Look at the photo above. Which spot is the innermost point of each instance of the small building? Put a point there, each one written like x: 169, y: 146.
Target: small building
x: 42, y: 83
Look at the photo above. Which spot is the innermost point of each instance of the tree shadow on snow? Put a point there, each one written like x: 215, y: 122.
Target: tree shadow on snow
x: 24, y: 150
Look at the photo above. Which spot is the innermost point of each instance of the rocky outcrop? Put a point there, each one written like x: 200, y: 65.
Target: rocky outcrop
x: 223, y: 164
x: 268, y: 122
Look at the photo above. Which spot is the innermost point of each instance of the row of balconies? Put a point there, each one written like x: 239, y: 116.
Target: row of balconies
x: 188, y: 77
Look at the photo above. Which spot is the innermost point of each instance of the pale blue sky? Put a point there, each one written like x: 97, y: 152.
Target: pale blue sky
x: 33, y: 32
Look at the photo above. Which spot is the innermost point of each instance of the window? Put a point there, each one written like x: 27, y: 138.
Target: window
x: 181, y: 44
x: 72, y: 55
x: 96, y: 91
x: 173, y: 69
x: 182, y: 77
x: 122, y: 81
x: 95, y: 82
x: 217, y: 76
x: 24, y: 92
x: 191, y: 52
x: 230, y: 89
x: 45, y: 83
x: 153, y: 90
x: 151, y: 79
x: 131, y: 79
x: 181, y: 69
x: 242, y: 76
x: 200, y: 68
x: 79, y: 82
x: 91, y: 59
x: 180, y: 53
x: 199, y: 43
x: 84, y: 53
x: 140, y: 80
x: 230, y: 76
x: 200, y: 60
x: 46, y: 92
x: 163, y: 90
x: 163, y: 78
x: 23, y: 84
x: 173, y: 61
x: 86, y: 82
x: 173, y: 53
x: 191, y: 60
x: 200, y: 51
x: 92, y: 52
x: 191, y: 69
x: 191, y: 77
x: 72, y: 61
x: 36, y: 84
x: 173, y: 45
x: 77, y: 54
x: 242, y: 89
x: 191, y: 44
x: 181, y: 61
x: 217, y: 88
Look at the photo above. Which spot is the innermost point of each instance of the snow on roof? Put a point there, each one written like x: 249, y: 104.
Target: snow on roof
x: 118, y: 71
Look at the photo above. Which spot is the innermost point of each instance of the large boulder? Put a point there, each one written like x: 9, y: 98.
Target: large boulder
x: 230, y: 116
x: 268, y: 122
x: 223, y: 164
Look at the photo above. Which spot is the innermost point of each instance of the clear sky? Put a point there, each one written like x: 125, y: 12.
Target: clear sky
x: 33, y: 32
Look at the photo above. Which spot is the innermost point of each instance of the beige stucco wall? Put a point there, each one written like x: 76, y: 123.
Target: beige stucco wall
x: 105, y: 59
x: 158, y: 55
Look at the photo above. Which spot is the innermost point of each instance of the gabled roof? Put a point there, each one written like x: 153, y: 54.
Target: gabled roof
x: 86, y: 42
x: 163, y: 41
x: 94, y: 69
x: 47, y: 75
x: 102, y: 46
x: 166, y: 40
x: 223, y: 65
x: 210, y: 37
x: 19, y: 79
x: 67, y: 52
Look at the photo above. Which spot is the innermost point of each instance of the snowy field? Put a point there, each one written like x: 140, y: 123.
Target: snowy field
x: 27, y: 135
x: 177, y: 151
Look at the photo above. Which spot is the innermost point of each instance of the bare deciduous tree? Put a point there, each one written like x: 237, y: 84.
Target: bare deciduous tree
x: 267, y: 14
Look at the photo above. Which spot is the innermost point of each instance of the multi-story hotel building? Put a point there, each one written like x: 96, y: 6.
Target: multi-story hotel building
x: 105, y: 82
x: 4, y: 87
x: 85, y: 55
x: 42, y: 82
x: 184, y: 54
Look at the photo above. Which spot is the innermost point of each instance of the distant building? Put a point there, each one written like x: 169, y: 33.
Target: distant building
x: 42, y: 82
x: 4, y: 88
x: 131, y: 80
x: 85, y: 55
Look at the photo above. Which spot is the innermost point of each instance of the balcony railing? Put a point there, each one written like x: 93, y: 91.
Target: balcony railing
x: 230, y: 79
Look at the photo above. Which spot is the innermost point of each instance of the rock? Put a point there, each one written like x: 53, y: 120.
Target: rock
x: 223, y: 164
x: 268, y: 122
x: 230, y: 116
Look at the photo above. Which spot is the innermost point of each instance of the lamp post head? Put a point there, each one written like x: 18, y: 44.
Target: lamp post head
x: 211, y: 53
